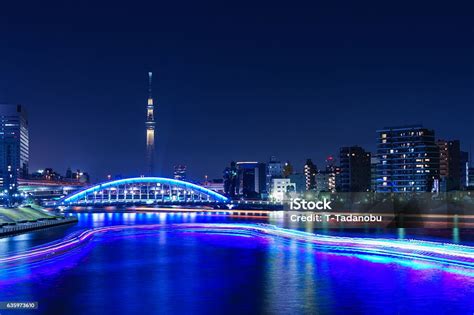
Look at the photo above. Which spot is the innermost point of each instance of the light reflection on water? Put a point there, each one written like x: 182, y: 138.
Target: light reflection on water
x: 181, y: 273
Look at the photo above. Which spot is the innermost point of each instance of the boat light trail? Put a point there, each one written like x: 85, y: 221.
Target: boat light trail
x: 443, y: 253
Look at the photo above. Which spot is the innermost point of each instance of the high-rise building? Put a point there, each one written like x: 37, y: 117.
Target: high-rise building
x: 230, y: 177
x: 449, y: 164
x: 310, y: 171
x: 333, y: 173
x: 409, y: 159
x: 355, y: 169
x: 464, y: 171
x: 14, y: 145
x: 179, y: 172
x: 374, y: 162
x: 274, y: 170
x: 150, y: 131
x: 252, y: 181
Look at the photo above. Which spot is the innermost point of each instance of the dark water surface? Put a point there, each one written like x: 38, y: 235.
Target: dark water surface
x: 176, y: 272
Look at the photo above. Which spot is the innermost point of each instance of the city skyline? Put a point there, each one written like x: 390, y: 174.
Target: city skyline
x: 247, y: 157
x: 223, y: 100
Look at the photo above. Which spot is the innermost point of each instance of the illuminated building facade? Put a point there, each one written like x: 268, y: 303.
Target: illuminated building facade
x: 179, y: 172
x: 47, y: 184
x: 310, y: 171
x: 409, y: 159
x: 287, y: 169
x: 333, y: 173
x: 150, y: 131
x: 274, y: 170
x: 14, y: 146
x: 50, y: 175
x: 282, y: 188
x: 470, y: 178
x: 216, y: 185
x: 464, y: 170
x: 355, y: 169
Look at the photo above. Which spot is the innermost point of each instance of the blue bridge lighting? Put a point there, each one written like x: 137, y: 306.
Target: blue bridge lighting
x: 146, y: 190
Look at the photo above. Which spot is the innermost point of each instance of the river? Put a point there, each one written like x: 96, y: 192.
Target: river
x: 169, y: 271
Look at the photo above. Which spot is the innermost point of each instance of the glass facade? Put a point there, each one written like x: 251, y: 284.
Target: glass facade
x: 14, y: 148
x: 310, y: 171
x: 408, y: 159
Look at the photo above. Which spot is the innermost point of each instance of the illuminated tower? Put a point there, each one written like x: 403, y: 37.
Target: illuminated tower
x: 150, y: 131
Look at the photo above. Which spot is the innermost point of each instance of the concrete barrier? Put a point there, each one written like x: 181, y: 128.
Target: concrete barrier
x: 19, y: 228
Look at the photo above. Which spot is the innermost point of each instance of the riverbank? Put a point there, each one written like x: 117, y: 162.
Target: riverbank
x: 18, y: 228
x: 26, y: 218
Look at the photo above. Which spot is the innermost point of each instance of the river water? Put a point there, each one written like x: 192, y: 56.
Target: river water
x: 172, y: 272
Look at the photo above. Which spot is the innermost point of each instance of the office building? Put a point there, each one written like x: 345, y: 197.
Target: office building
x: 310, y: 171
x: 14, y: 146
x: 409, y: 159
x: 355, y: 169
x: 251, y: 182
x: 464, y: 170
x: 274, y: 170
x: 282, y: 189
x: 449, y: 164
x: 333, y: 174
x: 179, y: 172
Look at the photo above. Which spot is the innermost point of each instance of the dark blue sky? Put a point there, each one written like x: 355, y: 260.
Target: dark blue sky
x: 233, y: 80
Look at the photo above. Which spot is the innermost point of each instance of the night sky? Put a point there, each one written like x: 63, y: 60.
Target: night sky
x: 233, y: 80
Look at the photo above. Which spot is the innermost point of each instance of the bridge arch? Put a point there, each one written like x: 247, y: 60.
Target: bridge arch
x: 145, y: 190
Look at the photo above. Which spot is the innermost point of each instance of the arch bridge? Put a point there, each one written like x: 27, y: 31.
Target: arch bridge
x: 144, y: 190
